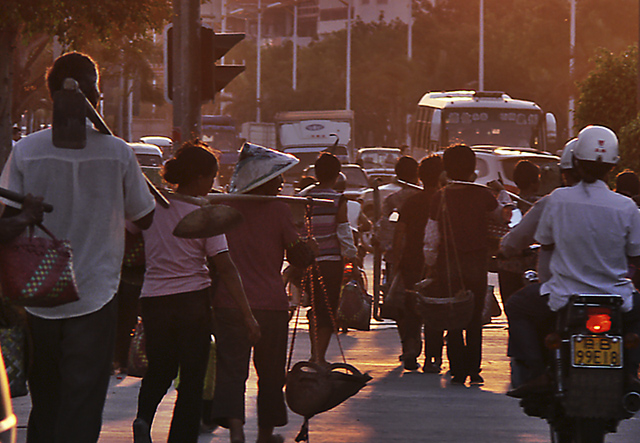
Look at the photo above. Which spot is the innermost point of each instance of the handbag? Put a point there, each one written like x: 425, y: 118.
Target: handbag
x: 138, y: 363
x: 445, y: 313
x: 354, y: 306
x: 37, y: 271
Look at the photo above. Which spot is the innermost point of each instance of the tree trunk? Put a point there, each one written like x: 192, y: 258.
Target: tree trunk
x: 7, y: 47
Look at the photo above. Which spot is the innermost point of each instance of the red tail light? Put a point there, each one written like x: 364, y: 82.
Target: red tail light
x: 598, y: 320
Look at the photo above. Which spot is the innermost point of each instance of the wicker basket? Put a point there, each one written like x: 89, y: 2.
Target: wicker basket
x: 446, y: 313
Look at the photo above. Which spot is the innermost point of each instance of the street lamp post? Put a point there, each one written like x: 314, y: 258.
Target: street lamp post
x: 410, y: 32
x: 347, y: 3
x: 481, y: 49
x: 348, y: 80
x: 259, y: 61
x: 294, y: 81
x: 572, y: 60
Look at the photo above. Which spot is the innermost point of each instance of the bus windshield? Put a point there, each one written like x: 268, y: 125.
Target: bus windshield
x: 498, y: 127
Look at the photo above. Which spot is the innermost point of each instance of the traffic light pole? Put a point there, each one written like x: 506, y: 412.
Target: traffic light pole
x: 186, y: 70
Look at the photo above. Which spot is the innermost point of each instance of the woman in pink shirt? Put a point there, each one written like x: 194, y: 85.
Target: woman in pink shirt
x: 176, y: 299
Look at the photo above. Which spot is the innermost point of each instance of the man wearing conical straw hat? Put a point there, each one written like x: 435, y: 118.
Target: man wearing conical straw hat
x: 257, y: 246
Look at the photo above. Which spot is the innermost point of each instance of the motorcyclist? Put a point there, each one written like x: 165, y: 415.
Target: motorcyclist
x: 522, y: 235
x: 592, y: 234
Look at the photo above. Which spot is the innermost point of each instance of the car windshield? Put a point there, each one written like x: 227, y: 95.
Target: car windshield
x: 379, y: 159
x: 498, y: 127
x: 149, y: 160
x: 356, y: 177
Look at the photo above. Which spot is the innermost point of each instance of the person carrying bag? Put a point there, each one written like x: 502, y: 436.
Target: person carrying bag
x: 457, y: 245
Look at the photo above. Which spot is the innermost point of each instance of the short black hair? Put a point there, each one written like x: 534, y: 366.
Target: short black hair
x: 591, y: 171
x: 406, y: 168
x: 627, y: 183
x: 525, y: 174
x: 81, y: 68
x: 327, y: 167
x: 459, y: 162
x: 430, y: 169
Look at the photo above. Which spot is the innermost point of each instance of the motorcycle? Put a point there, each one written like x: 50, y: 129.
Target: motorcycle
x: 589, y: 393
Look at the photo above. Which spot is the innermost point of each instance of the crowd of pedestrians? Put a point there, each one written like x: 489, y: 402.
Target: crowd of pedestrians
x: 230, y: 285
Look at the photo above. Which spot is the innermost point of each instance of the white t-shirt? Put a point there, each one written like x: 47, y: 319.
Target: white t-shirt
x: 175, y: 265
x: 594, y: 230
x: 92, y: 191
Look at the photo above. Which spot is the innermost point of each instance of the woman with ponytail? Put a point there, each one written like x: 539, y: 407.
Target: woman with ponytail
x: 176, y: 299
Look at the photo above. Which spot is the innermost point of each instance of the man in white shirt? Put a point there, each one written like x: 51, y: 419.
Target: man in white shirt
x: 593, y: 234
x: 93, y: 190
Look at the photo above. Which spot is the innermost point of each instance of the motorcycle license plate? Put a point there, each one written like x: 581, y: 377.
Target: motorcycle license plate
x: 595, y: 351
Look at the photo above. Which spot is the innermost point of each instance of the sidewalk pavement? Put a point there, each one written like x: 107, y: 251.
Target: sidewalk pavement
x: 396, y: 406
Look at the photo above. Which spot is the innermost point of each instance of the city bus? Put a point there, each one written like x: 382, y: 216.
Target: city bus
x: 480, y: 118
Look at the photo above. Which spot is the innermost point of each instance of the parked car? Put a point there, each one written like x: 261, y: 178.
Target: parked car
x: 150, y: 159
x: 147, y: 154
x: 386, y: 189
x: 499, y: 162
x: 164, y: 143
x: 379, y: 162
x: 491, y: 164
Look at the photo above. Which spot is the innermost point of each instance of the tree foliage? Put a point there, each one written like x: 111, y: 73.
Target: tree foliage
x: 629, y: 138
x: 526, y: 56
x: 76, y: 23
x: 608, y: 94
x: 608, y: 98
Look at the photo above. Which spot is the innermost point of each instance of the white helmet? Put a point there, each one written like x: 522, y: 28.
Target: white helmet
x: 567, y: 154
x: 597, y: 143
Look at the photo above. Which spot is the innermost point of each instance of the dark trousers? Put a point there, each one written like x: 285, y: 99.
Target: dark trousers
x: 324, y: 285
x: 177, y: 329
x: 509, y: 283
x: 70, y: 375
x: 232, y: 370
x: 466, y: 270
x: 410, y: 328
x: 128, y: 307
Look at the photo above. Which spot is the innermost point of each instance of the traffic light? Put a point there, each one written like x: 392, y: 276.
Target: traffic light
x: 214, y: 47
x: 213, y: 77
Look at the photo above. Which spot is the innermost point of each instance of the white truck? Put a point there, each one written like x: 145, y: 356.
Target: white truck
x: 263, y: 134
x: 306, y: 134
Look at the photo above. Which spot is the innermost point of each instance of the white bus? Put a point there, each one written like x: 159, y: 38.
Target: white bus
x: 480, y: 118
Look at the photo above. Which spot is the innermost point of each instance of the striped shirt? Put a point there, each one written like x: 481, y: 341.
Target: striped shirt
x: 324, y: 225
